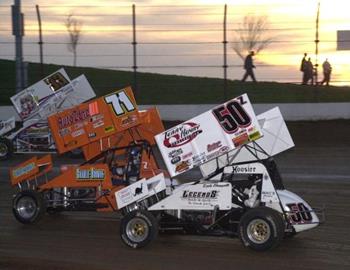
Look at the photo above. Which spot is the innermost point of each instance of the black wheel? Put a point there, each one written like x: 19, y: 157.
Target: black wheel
x: 28, y: 206
x: 6, y: 148
x: 138, y: 228
x: 261, y: 228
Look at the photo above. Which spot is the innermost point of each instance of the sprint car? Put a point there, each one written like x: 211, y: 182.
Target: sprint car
x: 240, y: 193
x: 34, y: 104
x: 116, y: 140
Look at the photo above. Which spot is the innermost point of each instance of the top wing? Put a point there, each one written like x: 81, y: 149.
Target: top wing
x: 276, y: 139
x: 209, y: 135
x: 94, y: 120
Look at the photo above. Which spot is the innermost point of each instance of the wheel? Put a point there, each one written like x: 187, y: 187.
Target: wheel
x: 28, y: 206
x: 138, y: 228
x: 261, y: 228
x: 6, y: 148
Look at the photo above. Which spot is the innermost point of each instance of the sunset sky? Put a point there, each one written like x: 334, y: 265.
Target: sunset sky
x: 107, y: 26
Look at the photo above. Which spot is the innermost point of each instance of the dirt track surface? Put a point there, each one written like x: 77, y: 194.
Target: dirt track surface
x: 318, y: 172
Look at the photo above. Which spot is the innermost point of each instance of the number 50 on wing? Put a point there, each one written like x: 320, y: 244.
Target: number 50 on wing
x: 197, y: 140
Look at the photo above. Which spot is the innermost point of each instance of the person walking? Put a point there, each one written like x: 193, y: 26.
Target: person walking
x: 327, y: 70
x: 303, y: 68
x: 249, y: 66
x: 309, y: 70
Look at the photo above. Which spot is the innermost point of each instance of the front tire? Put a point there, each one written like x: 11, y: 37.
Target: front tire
x: 261, y: 228
x: 138, y: 228
x: 28, y: 206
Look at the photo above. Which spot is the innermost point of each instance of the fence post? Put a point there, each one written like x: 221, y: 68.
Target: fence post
x: 134, y: 43
x: 40, y: 42
x: 225, y: 52
x: 18, y: 32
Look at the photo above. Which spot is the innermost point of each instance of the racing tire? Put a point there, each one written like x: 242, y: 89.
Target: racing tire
x: 28, y: 206
x: 6, y: 148
x: 138, y: 228
x: 261, y: 229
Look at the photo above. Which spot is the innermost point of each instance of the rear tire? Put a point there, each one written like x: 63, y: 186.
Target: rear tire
x: 261, y: 228
x: 6, y: 148
x: 28, y: 206
x: 138, y: 228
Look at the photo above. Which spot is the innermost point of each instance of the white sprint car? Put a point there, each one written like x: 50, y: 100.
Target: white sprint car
x: 240, y: 193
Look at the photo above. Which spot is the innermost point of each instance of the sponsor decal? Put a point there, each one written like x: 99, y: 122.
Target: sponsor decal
x: 175, y: 160
x: 248, y: 169
x: 128, y: 120
x: 71, y: 143
x: 92, y: 135
x: 96, y: 117
x: 90, y: 174
x: 93, y: 108
x: 99, y: 123
x: 23, y: 170
x: 213, y: 146
x: 183, y: 166
x: 37, y: 130
x: 217, y: 153
x: 75, y: 117
x: 188, y: 155
x: 175, y: 153
x: 254, y: 136
x: 78, y: 125
x: 215, y: 185
x: 56, y: 81
x: 77, y: 133
x: 4, y: 124
x: 138, y: 190
x: 200, y: 194
x: 267, y: 194
x: 199, y: 159
x: 124, y: 195
x: 181, y: 135
x: 242, y: 139
x: 109, y: 129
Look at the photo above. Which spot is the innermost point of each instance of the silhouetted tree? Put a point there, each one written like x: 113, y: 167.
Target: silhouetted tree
x: 74, y: 30
x: 251, y: 35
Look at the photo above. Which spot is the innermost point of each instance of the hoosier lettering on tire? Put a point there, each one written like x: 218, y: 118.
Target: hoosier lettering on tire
x: 261, y: 228
x: 138, y: 228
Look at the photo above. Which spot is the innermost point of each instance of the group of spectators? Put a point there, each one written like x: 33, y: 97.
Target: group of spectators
x: 306, y: 67
x: 309, y: 71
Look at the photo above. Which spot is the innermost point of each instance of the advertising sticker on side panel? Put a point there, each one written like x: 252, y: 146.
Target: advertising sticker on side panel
x: 209, y: 135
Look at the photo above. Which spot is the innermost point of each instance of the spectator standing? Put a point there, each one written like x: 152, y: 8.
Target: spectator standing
x: 309, y: 70
x: 327, y: 70
x: 303, y: 68
x: 249, y: 66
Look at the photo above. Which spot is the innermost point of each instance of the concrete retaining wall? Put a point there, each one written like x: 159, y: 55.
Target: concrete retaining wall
x: 290, y: 111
